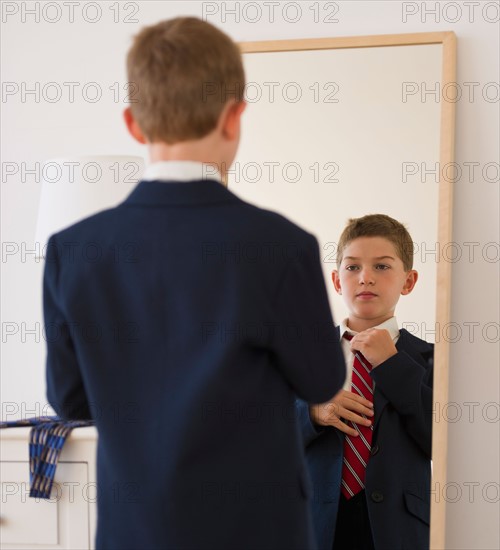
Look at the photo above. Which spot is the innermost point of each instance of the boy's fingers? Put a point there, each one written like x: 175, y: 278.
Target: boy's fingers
x: 355, y: 407
x: 353, y: 417
x: 359, y: 408
x: 363, y: 410
x: 361, y: 420
x: 359, y: 399
x: 345, y: 428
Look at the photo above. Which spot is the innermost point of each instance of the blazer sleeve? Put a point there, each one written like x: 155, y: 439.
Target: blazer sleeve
x: 65, y: 389
x: 309, y: 430
x: 305, y: 342
x: 407, y: 385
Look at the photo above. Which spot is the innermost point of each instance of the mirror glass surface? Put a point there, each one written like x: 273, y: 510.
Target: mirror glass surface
x: 331, y: 134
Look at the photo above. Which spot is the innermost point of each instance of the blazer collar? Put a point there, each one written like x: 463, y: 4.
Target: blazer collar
x: 411, y: 344
x: 172, y: 193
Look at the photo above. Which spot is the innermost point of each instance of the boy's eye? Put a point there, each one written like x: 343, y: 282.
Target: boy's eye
x: 351, y: 267
x: 382, y: 267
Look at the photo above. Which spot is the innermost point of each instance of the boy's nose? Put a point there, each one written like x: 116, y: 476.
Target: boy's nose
x: 366, y: 277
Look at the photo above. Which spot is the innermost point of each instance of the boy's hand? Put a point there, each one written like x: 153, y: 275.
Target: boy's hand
x: 346, y: 405
x: 375, y: 344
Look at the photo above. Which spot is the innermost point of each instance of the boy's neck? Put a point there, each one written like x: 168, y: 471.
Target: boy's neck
x: 359, y: 325
x: 196, y: 151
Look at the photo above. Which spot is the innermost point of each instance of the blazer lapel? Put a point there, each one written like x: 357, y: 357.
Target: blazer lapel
x: 379, y: 403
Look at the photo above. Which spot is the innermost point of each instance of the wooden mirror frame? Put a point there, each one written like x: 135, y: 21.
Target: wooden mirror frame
x: 445, y: 204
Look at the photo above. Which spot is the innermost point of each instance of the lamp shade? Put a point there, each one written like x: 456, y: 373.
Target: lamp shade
x: 74, y: 188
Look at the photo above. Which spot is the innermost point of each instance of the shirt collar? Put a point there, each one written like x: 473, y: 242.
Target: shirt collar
x: 391, y: 325
x: 181, y: 170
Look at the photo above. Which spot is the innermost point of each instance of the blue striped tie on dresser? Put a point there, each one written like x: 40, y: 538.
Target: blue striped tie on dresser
x: 47, y: 437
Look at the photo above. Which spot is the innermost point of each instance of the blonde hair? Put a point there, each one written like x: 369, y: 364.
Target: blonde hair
x: 378, y: 225
x: 181, y: 73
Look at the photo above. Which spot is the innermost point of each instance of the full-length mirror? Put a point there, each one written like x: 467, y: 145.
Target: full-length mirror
x: 339, y: 128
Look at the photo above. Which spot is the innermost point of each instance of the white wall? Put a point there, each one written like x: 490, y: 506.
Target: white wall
x: 87, y: 52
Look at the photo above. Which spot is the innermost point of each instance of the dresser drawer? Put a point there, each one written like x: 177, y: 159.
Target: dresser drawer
x: 61, y: 522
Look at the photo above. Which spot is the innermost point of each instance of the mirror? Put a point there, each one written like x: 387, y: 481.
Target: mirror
x: 341, y: 127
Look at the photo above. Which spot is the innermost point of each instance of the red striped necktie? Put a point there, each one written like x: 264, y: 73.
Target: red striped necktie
x: 357, y: 449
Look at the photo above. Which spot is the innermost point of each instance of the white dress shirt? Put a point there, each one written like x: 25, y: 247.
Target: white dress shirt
x: 391, y: 325
x: 181, y: 170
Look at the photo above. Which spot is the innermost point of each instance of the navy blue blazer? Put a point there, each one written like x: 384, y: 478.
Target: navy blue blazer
x: 184, y: 322
x: 398, y: 482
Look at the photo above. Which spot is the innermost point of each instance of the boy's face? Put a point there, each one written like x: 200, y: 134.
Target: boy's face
x: 371, y: 278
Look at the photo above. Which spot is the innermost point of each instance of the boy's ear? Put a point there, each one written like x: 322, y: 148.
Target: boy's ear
x: 230, y: 118
x: 411, y: 281
x: 133, y: 127
x: 336, y: 281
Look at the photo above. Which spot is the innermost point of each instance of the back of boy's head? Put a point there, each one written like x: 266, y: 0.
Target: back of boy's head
x: 181, y: 73
x: 378, y: 225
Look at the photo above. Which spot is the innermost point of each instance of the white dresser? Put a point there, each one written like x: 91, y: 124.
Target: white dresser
x: 68, y: 519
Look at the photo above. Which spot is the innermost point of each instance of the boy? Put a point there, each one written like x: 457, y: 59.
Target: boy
x: 369, y: 448
x: 211, y: 315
